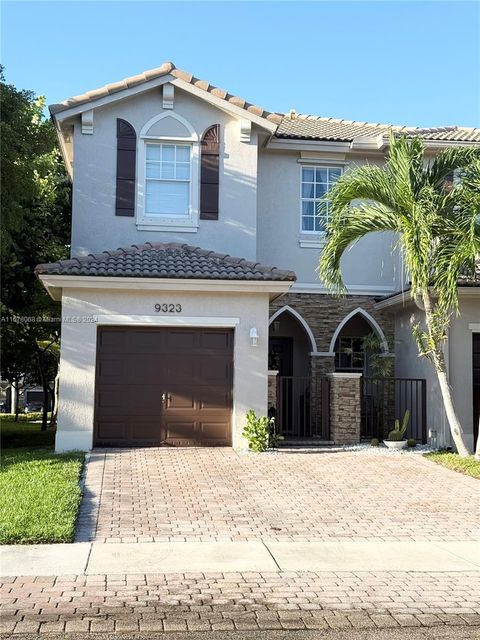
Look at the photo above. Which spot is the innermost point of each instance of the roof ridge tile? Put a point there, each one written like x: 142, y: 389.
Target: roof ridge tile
x: 167, y: 68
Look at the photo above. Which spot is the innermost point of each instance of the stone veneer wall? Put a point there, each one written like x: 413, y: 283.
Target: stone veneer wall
x: 323, y: 313
x: 345, y: 407
x: 272, y: 389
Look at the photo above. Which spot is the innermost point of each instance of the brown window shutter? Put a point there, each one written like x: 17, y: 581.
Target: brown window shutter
x: 209, y: 173
x: 126, y: 160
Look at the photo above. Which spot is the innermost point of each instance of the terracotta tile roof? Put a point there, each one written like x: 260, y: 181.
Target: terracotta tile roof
x: 308, y: 127
x: 471, y: 279
x: 303, y: 127
x: 467, y: 279
x: 167, y: 68
x: 159, y: 260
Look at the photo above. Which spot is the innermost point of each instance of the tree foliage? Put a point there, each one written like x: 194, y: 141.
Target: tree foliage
x: 35, y: 227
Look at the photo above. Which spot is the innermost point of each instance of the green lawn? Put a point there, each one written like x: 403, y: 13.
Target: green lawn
x: 39, y: 490
x: 469, y: 466
x: 25, y: 434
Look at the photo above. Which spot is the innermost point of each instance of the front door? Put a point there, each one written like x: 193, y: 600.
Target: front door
x: 163, y: 386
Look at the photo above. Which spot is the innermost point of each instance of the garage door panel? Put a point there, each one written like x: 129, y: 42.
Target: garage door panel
x: 216, y: 341
x: 136, y: 366
x: 111, y: 431
x: 130, y: 369
x: 180, y: 369
x: 180, y: 399
x: 146, y: 342
x: 113, y: 400
x: 215, y: 370
x: 147, y: 369
x: 212, y: 430
x: 206, y: 432
x: 180, y: 341
x: 139, y: 400
x: 214, y: 398
x: 146, y: 430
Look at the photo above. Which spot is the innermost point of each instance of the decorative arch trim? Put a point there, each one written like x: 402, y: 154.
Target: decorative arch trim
x: 301, y: 320
x: 170, y: 114
x: 371, y: 321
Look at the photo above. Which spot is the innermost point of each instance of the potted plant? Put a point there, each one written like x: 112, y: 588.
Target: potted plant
x: 395, y: 438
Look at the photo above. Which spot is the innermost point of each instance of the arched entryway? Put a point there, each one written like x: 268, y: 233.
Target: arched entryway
x: 290, y: 343
x: 298, y: 399
x: 359, y: 344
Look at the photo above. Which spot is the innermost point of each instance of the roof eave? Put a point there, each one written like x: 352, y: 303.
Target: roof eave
x: 55, y: 284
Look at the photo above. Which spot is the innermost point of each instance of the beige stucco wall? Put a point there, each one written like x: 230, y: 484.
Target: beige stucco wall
x: 79, y: 341
x: 94, y: 224
x: 458, y: 355
x: 368, y: 267
x: 460, y: 358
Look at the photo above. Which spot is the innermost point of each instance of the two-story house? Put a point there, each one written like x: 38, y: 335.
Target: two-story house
x: 167, y: 338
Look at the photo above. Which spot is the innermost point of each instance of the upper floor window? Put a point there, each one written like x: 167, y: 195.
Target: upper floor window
x: 167, y: 179
x: 316, y: 182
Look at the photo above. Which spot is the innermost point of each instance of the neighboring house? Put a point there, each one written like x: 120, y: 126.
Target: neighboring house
x: 166, y: 342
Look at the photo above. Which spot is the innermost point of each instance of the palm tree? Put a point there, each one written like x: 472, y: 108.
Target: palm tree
x: 438, y: 229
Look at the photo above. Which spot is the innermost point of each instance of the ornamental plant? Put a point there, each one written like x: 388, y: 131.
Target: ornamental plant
x: 399, y: 431
x: 260, y: 433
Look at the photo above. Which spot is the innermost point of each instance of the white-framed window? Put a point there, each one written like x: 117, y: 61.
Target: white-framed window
x: 168, y: 176
x: 316, y: 181
x: 167, y: 179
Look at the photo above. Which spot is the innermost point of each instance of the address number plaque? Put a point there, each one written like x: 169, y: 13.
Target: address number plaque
x: 168, y: 307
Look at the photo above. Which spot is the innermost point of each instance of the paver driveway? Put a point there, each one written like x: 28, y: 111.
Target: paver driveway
x: 165, y: 494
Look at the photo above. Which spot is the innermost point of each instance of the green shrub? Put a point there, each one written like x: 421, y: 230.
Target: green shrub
x: 260, y: 433
x: 411, y: 442
x: 375, y: 442
x: 22, y: 417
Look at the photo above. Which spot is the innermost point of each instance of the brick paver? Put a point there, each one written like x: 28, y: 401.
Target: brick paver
x: 202, y: 602
x: 179, y: 494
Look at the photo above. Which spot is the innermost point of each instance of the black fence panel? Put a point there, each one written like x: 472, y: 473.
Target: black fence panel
x: 303, y: 407
x: 386, y: 399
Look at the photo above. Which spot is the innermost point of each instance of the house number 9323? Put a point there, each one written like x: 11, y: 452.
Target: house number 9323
x: 168, y: 307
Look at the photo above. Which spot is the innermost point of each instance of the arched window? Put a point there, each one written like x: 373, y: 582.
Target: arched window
x: 168, y: 193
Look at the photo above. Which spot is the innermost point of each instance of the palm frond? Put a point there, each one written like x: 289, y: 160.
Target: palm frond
x: 366, y: 182
x: 347, y: 227
x: 448, y: 161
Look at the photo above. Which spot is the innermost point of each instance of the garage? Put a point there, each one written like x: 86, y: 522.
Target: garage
x: 163, y: 386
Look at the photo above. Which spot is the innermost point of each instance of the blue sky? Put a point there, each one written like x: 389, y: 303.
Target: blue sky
x: 414, y: 63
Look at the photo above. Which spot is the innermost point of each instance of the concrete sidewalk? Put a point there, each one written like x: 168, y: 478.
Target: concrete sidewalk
x: 255, y: 555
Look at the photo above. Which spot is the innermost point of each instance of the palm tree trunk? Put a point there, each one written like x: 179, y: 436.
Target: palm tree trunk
x: 440, y: 369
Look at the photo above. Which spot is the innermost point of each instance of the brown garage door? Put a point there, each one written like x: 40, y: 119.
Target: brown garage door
x: 163, y: 386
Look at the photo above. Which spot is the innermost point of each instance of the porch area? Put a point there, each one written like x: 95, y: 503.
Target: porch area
x: 332, y: 374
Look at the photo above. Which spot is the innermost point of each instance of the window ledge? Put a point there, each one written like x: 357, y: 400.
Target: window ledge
x: 146, y: 226
x: 312, y: 243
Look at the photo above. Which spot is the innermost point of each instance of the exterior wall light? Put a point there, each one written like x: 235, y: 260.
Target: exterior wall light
x: 253, y: 336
